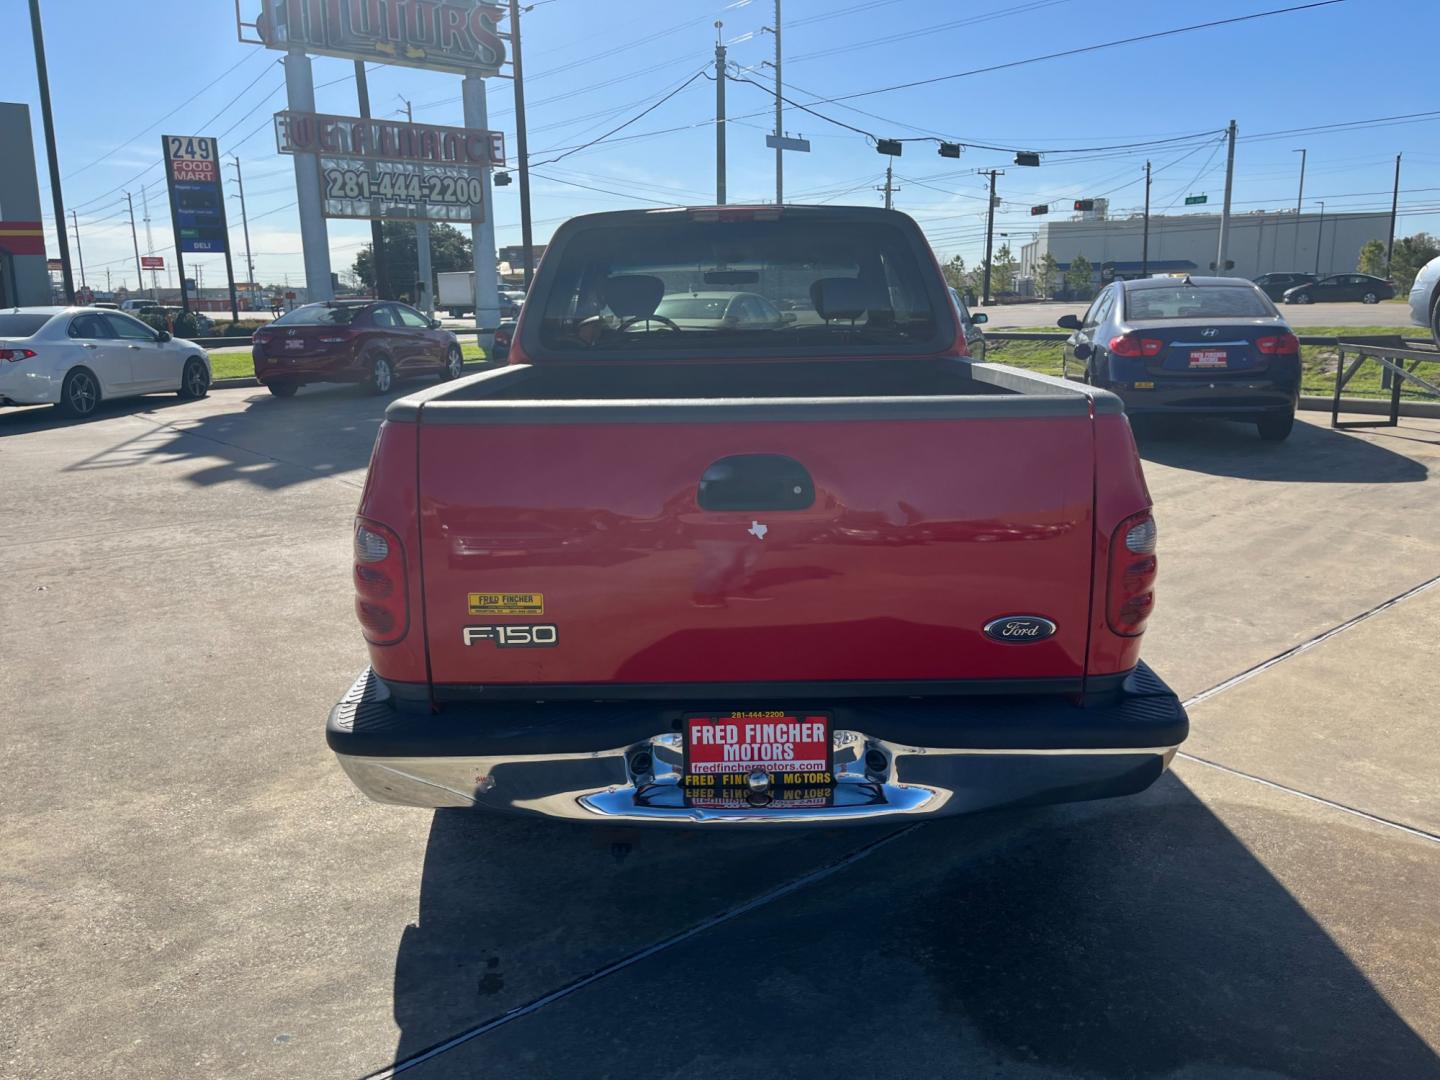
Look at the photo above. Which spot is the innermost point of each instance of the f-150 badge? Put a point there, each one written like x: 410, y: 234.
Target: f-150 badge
x: 533, y: 636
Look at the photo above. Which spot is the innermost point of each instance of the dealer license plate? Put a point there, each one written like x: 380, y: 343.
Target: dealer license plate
x: 722, y: 750
x: 295, y: 343
x: 1209, y: 358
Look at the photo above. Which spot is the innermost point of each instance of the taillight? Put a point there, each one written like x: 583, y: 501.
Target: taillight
x: 1279, y: 345
x: 1132, y: 575
x: 502, y: 336
x: 14, y: 355
x: 1130, y: 345
x: 381, y: 602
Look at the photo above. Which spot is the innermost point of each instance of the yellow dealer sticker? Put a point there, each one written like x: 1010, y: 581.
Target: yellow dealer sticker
x: 507, y: 603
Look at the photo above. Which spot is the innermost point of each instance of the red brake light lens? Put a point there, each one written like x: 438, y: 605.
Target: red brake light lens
x: 15, y: 355
x: 381, y: 598
x: 1132, y: 346
x: 1131, y: 593
x: 1279, y: 345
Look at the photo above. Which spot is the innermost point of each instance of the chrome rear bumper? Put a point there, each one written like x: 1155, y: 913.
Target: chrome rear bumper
x: 640, y: 781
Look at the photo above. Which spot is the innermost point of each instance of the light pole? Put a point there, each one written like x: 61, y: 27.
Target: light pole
x: 1299, y: 199
x: 1319, y: 233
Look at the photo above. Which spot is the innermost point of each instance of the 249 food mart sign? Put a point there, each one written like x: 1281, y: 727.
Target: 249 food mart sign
x: 394, y: 170
x: 460, y: 36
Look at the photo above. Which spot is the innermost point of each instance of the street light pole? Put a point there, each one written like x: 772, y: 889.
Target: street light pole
x: 1145, y: 236
x: 1299, y: 200
x: 719, y: 115
x: 779, y: 119
x: 42, y: 77
x: 1394, y: 210
x: 1319, y: 234
x: 75, y: 219
x: 135, y: 241
x: 245, y: 224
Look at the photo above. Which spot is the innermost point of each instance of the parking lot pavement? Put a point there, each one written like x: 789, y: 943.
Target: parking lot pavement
x: 1043, y: 316
x: 192, y: 887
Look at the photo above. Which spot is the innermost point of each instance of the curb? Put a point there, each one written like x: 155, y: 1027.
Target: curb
x: 1370, y: 406
x: 241, y: 382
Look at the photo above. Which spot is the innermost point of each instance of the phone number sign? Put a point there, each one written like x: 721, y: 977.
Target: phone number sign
x: 197, y: 197
x: 400, y: 191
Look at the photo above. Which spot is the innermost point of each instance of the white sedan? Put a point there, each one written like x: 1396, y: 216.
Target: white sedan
x: 76, y: 357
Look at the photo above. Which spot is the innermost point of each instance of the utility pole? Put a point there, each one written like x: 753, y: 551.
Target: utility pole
x: 1319, y: 235
x: 1145, y: 236
x: 75, y: 218
x: 989, y: 235
x: 1225, y: 210
x: 779, y: 108
x: 42, y: 77
x: 1394, y: 209
x: 889, y: 189
x: 1299, y: 201
x: 422, y: 245
x: 135, y: 240
x: 377, y: 228
x: 149, y: 250
x: 526, y: 235
x: 245, y: 224
x: 720, y: 115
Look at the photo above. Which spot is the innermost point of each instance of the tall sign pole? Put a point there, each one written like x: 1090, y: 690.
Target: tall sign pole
x: 377, y: 227
x: 1394, y: 210
x: 527, y: 237
x: 1224, y: 251
x: 314, y: 236
x: 720, y: 116
x: 1145, y: 236
x: 482, y: 233
x: 42, y: 76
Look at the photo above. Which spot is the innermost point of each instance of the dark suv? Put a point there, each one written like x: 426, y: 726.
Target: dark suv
x: 1274, y: 285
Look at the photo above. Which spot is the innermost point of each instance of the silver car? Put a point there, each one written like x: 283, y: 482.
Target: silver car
x: 1425, y: 298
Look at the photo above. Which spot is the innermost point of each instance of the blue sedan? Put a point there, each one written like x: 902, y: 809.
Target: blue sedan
x: 1208, y: 346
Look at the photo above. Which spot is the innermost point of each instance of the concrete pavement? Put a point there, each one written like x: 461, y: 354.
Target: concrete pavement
x: 192, y: 887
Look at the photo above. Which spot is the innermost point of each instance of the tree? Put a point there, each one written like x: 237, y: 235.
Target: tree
x: 1077, y: 277
x: 1002, y: 274
x: 1372, y: 259
x: 1045, y: 271
x: 1411, y: 254
x: 449, y: 250
x: 955, y: 275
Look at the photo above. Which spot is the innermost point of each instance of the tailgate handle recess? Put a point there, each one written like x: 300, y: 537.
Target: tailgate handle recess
x: 756, y: 482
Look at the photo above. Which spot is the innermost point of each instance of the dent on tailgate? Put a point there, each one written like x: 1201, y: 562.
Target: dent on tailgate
x: 578, y: 553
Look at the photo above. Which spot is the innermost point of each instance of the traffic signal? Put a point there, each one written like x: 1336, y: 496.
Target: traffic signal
x: 890, y: 147
x: 1027, y: 158
x: 1037, y: 210
x: 1084, y: 204
x: 950, y: 149
x: 502, y: 179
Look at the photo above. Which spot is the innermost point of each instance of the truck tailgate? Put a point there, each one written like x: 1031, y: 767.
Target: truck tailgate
x: 919, y: 534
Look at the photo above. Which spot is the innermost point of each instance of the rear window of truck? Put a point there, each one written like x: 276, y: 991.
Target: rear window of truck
x: 714, y: 288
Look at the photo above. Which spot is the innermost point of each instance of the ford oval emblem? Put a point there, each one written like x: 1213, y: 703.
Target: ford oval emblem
x: 1019, y: 629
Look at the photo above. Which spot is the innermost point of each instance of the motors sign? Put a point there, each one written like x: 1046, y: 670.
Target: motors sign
x: 460, y: 36
x: 387, y: 140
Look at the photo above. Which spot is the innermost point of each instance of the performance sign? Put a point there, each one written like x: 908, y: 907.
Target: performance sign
x: 459, y: 36
x: 197, y: 199
x: 387, y: 140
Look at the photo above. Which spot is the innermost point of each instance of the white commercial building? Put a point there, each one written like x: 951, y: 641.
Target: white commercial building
x: 1259, y: 242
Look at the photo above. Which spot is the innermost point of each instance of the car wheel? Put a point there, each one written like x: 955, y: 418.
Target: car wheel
x: 382, y: 375
x: 195, y: 382
x: 80, y: 394
x: 1303, y: 298
x: 1276, y: 426
x: 454, y: 364
x: 282, y: 389
x: 1369, y: 298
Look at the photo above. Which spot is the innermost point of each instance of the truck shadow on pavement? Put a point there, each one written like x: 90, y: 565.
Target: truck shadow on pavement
x: 1312, y: 454
x: 1128, y: 938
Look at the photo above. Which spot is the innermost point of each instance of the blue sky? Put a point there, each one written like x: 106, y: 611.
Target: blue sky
x: 116, y: 71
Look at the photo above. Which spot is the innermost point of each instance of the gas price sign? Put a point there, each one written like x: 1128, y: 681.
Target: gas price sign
x: 400, y: 191
x: 197, y: 198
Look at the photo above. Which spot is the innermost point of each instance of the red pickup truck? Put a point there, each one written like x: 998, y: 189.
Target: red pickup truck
x: 741, y: 536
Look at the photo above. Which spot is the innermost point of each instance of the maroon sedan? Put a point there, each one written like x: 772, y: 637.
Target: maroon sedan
x: 373, y: 342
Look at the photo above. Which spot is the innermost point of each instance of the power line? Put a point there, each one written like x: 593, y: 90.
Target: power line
x: 627, y: 123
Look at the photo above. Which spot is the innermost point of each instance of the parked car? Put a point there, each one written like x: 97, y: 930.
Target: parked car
x: 504, y: 334
x: 1337, y: 287
x: 1425, y: 298
x: 76, y: 357
x: 974, y: 336
x: 134, y: 304
x: 1276, y: 285
x: 369, y: 341
x: 106, y: 305
x: 719, y: 311
x: 814, y: 573
x: 1208, y: 346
